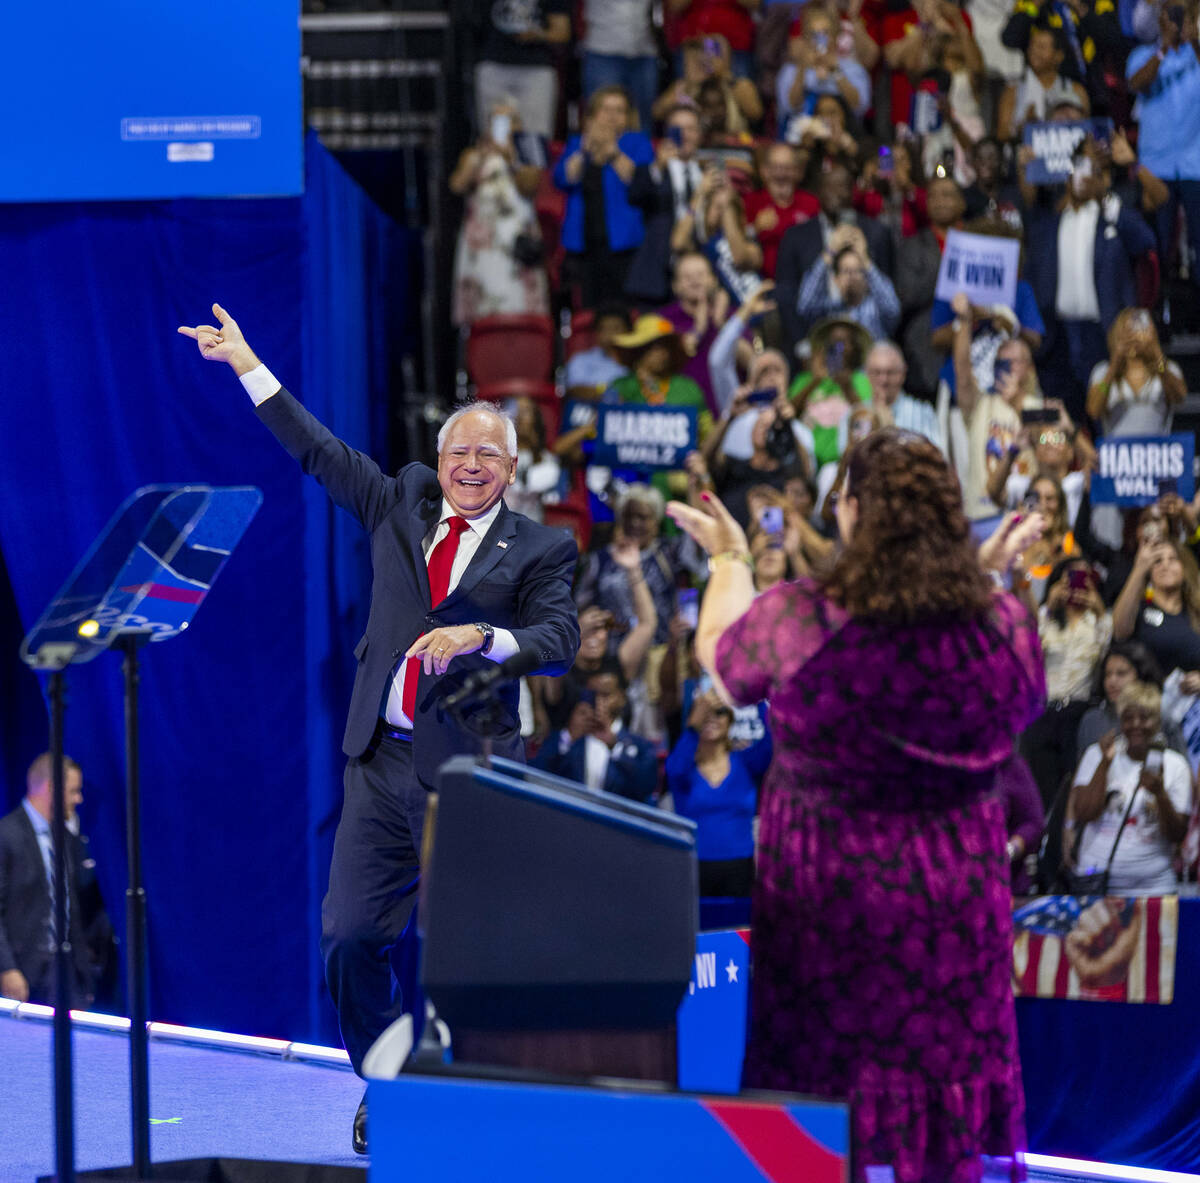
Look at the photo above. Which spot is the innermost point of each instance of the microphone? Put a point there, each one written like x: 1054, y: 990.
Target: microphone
x: 522, y: 662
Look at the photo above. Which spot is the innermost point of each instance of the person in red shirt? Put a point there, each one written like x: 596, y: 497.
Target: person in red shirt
x: 914, y: 42
x: 779, y: 204
x: 731, y: 19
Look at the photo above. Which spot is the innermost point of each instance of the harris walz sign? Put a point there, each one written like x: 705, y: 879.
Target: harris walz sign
x: 1139, y: 469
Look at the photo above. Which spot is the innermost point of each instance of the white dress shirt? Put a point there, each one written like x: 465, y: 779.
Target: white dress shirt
x: 1075, y: 296
x: 260, y: 384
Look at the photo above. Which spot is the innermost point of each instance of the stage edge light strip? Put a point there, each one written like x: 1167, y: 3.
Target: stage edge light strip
x: 173, y: 1033
x: 1081, y: 1169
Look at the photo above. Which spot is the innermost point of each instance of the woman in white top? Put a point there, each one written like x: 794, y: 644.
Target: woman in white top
x: 1122, y: 791
x: 1075, y: 630
x: 1134, y: 393
x: 497, y: 189
x: 539, y: 474
x: 1136, y: 390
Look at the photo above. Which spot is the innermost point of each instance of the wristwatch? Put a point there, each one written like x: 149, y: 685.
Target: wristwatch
x: 489, y: 635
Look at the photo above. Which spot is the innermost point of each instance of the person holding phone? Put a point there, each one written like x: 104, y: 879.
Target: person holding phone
x: 494, y: 275
x: 717, y: 787
x: 833, y: 384
x: 1131, y: 801
x: 776, y: 454
x: 1160, y: 607
x: 601, y: 230
x: 1166, y: 79
x: 664, y: 191
x: 779, y: 204
x: 1048, y: 444
x: 992, y: 419
x: 1134, y: 392
x: 596, y: 748
x: 1075, y: 629
x: 820, y: 63
x: 706, y: 62
x: 844, y: 282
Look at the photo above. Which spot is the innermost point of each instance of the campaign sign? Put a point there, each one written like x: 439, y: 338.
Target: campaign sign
x: 644, y: 437
x: 982, y: 265
x: 1054, y: 146
x: 1139, y: 469
x: 739, y: 283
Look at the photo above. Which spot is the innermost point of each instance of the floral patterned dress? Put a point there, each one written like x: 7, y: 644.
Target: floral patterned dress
x: 882, y: 914
x: 488, y: 280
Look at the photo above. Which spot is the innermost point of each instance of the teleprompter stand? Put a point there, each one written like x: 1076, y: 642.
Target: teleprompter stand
x: 142, y: 581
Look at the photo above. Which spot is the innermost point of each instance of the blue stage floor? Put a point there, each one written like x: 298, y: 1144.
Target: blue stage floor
x: 206, y: 1102
x: 209, y: 1102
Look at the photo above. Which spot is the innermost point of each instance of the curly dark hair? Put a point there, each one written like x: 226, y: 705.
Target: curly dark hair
x: 1145, y: 666
x: 911, y: 558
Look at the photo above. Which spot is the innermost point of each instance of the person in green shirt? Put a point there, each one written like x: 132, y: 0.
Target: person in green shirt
x: 832, y: 386
x: 655, y: 356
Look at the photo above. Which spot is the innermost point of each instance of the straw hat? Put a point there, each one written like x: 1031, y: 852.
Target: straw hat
x: 649, y: 329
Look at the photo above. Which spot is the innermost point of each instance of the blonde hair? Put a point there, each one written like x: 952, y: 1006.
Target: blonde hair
x: 1140, y: 696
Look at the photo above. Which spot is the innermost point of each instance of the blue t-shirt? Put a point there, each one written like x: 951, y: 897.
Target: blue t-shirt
x: 1028, y: 317
x: 1169, y: 113
x: 724, y: 813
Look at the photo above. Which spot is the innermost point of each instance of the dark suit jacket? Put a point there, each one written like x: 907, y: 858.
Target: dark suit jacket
x: 649, y: 277
x: 918, y: 260
x: 632, y: 765
x: 25, y: 904
x: 801, y: 247
x: 518, y: 579
x: 1118, y: 245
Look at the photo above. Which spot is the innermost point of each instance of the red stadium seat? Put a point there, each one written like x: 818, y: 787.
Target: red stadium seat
x: 571, y: 515
x: 501, y: 347
x: 582, y: 333
x: 542, y: 393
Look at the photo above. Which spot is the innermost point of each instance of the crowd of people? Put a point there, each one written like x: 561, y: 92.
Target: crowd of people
x: 750, y: 222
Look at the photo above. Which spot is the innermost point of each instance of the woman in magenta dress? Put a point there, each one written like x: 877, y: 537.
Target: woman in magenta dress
x: 882, y: 914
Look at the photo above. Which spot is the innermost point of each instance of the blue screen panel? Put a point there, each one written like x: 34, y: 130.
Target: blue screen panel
x: 150, y: 98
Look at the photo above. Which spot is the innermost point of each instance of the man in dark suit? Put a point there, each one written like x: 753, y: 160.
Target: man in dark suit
x: 596, y: 749
x: 1081, y: 256
x: 460, y: 581
x: 803, y: 244
x: 663, y: 191
x: 26, y: 860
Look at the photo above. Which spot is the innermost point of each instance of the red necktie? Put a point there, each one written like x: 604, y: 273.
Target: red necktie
x: 441, y: 563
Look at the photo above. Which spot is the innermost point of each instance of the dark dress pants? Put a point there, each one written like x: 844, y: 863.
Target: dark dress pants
x: 368, y: 937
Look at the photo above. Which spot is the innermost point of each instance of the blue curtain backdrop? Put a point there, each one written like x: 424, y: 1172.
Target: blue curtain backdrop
x: 242, y: 716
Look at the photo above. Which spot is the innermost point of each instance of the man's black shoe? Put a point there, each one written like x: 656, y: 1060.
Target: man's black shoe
x: 360, y: 1127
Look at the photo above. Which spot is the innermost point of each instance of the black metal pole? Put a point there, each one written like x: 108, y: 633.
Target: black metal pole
x: 135, y: 920
x: 64, y: 1101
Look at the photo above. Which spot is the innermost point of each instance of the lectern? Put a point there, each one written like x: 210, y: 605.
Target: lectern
x: 559, y: 923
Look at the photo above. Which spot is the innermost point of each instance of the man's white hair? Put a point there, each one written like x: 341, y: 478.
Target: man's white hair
x: 510, y: 428
x: 888, y: 346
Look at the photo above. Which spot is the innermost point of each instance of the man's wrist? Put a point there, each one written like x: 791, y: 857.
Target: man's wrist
x: 243, y: 361
x: 258, y: 382
x: 489, y: 636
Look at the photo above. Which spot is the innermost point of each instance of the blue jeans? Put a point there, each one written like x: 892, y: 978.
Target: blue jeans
x: 1186, y: 193
x: 639, y: 76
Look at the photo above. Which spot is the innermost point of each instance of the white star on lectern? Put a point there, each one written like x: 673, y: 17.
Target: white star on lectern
x: 732, y: 970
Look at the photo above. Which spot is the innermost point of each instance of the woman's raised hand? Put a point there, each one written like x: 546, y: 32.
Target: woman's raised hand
x: 712, y: 526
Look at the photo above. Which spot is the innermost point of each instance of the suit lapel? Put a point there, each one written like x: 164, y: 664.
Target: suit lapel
x: 33, y: 853
x: 427, y: 517
x: 494, y: 545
